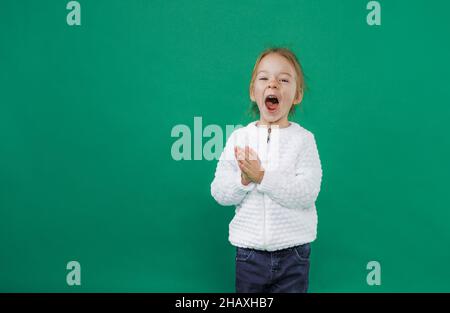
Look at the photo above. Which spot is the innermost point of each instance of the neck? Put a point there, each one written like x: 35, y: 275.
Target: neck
x: 280, y: 123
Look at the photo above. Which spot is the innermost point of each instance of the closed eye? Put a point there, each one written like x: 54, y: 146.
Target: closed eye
x: 263, y: 78
x: 285, y: 80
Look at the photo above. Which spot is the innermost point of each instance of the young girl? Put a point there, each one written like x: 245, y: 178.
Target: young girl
x: 271, y: 171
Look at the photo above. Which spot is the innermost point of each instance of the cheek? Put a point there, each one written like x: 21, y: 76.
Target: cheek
x: 259, y: 88
x: 289, y: 97
x: 258, y: 91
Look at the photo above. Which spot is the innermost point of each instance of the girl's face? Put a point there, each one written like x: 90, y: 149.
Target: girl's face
x: 274, y: 89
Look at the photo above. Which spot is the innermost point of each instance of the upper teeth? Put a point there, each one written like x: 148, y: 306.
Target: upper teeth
x: 271, y: 96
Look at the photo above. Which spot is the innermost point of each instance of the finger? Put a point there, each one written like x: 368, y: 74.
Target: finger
x: 246, y: 170
x: 242, y: 165
x: 247, y: 152
x: 245, y: 165
x: 253, y: 155
x: 250, y: 159
x: 245, y: 162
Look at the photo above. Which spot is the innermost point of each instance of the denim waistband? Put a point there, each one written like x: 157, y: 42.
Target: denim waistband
x: 281, y: 251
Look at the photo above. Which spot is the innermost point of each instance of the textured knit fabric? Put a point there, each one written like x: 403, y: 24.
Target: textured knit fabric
x: 279, y: 212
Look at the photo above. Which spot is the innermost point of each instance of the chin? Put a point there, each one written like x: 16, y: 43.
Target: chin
x: 271, y: 118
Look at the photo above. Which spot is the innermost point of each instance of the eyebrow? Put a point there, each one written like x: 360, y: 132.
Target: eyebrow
x: 280, y: 73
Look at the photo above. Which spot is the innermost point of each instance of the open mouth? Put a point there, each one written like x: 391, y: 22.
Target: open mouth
x: 271, y: 103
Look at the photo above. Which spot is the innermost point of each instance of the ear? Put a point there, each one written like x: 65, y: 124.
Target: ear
x: 252, y: 95
x: 299, y: 97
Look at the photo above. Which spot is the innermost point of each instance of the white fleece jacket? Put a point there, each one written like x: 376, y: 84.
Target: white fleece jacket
x: 279, y: 212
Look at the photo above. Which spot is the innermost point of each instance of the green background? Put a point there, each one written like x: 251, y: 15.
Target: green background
x: 86, y: 114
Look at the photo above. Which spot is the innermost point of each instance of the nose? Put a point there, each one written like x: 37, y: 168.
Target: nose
x: 273, y: 83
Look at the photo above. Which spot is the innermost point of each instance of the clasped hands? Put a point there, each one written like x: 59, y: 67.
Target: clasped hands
x: 250, y: 165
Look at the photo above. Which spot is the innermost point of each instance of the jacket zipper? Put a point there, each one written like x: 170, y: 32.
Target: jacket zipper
x: 264, y: 211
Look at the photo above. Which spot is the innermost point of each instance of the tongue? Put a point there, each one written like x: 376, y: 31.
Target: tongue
x: 271, y: 106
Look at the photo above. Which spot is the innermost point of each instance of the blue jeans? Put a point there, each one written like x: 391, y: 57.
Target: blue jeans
x: 283, y: 270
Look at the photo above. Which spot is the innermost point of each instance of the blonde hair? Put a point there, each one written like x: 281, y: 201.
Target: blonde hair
x: 290, y: 56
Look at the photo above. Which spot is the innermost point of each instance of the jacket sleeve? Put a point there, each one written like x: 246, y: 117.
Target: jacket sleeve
x: 226, y: 187
x: 299, y: 188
